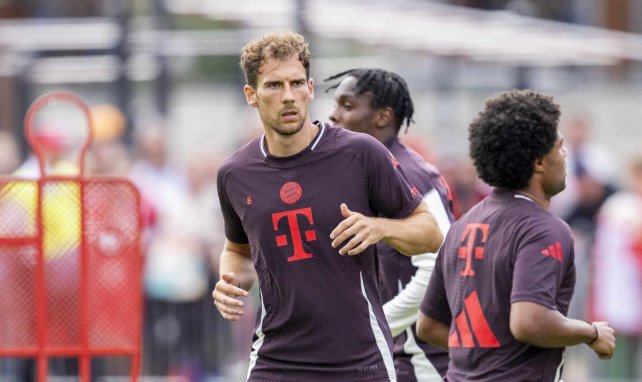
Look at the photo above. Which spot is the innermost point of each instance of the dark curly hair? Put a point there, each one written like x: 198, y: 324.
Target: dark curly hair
x: 388, y: 89
x: 515, y: 129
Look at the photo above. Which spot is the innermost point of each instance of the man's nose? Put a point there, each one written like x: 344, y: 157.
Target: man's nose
x: 288, y: 94
x: 333, y: 118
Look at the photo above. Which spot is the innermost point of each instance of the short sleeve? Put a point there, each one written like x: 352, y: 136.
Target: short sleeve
x: 233, y: 227
x: 435, y: 304
x: 391, y: 194
x: 542, y: 263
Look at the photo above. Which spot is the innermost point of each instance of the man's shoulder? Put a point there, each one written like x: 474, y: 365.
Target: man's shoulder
x: 529, y: 221
x: 513, y: 211
x: 343, y: 139
x: 240, y: 158
x: 539, y: 218
x: 411, y: 159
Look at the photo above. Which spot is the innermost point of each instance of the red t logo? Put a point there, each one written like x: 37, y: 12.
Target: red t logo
x: 295, y: 232
x: 472, y: 246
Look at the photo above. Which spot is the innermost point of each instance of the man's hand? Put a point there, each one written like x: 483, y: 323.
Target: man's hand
x: 225, y: 296
x: 604, y: 345
x: 357, y: 231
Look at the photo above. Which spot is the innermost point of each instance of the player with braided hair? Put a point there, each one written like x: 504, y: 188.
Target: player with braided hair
x: 377, y: 102
x: 387, y: 89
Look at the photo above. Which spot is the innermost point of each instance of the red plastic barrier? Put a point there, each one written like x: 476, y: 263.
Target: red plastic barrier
x: 70, y: 263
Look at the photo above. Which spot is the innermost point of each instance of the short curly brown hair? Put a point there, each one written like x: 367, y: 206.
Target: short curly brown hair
x: 514, y: 130
x: 279, y: 46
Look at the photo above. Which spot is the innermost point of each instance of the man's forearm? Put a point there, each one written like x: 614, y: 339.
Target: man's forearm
x: 416, y: 234
x: 539, y: 326
x: 241, y: 266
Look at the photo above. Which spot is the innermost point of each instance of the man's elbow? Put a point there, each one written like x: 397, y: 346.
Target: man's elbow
x: 431, y: 242
x: 423, y: 328
x: 524, y: 331
x: 529, y: 322
x: 437, y: 240
x: 428, y: 329
x: 518, y: 331
x: 435, y: 235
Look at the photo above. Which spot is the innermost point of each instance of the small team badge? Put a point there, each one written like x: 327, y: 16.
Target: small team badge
x: 291, y: 192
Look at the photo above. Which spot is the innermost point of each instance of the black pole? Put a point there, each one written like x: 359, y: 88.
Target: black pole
x: 522, y: 77
x: 300, y: 19
x: 162, y: 23
x: 122, y: 86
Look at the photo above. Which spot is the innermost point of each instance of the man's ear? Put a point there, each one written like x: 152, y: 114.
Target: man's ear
x: 384, y: 117
x: 311, y: 88
x: 250, y: 95
x: 538, y: 166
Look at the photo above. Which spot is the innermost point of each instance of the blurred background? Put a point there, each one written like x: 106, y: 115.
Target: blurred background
x: 162, y: 80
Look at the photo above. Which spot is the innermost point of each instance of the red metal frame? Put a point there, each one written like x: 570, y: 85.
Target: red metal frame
x: 90, y: 321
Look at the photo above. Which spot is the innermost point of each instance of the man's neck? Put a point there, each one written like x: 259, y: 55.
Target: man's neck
x: 384, y: 135
x: 536, y: 195
x: 286, y: 145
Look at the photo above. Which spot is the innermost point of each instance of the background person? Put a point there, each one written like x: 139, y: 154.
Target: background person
x: 377, y: 102
x: 616, y: 274
x: 505, y: 275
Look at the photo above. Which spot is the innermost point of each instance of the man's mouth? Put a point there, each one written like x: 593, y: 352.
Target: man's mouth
x: 290, y: 114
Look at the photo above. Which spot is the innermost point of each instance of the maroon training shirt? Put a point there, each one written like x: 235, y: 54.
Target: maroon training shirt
x: 321, y: 318
x: 506, y: 249
x: 397, y: 270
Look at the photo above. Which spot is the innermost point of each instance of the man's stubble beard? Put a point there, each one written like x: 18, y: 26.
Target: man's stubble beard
x: 274, y: 125
x: 276, y: 128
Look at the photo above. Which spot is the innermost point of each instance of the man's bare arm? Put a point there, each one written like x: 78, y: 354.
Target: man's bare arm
x: 432, y: 331
x: 540, y: 326
x: 416, y: 234
x: 237, y: 277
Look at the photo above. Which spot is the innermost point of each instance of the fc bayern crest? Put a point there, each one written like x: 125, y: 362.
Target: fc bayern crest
x: 291, y: 192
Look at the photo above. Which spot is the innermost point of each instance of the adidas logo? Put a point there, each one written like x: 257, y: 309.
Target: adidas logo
x: 554, y: 251
x: 472, y: 326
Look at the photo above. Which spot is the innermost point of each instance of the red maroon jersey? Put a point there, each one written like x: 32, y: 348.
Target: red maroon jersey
x: 321, y: 318
x: 506, y: 249
x: 403, y: 279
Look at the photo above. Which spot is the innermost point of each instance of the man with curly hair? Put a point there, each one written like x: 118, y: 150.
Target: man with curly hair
x: 377, y: 102
x: 302, y: 207
x: 499, y: 294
